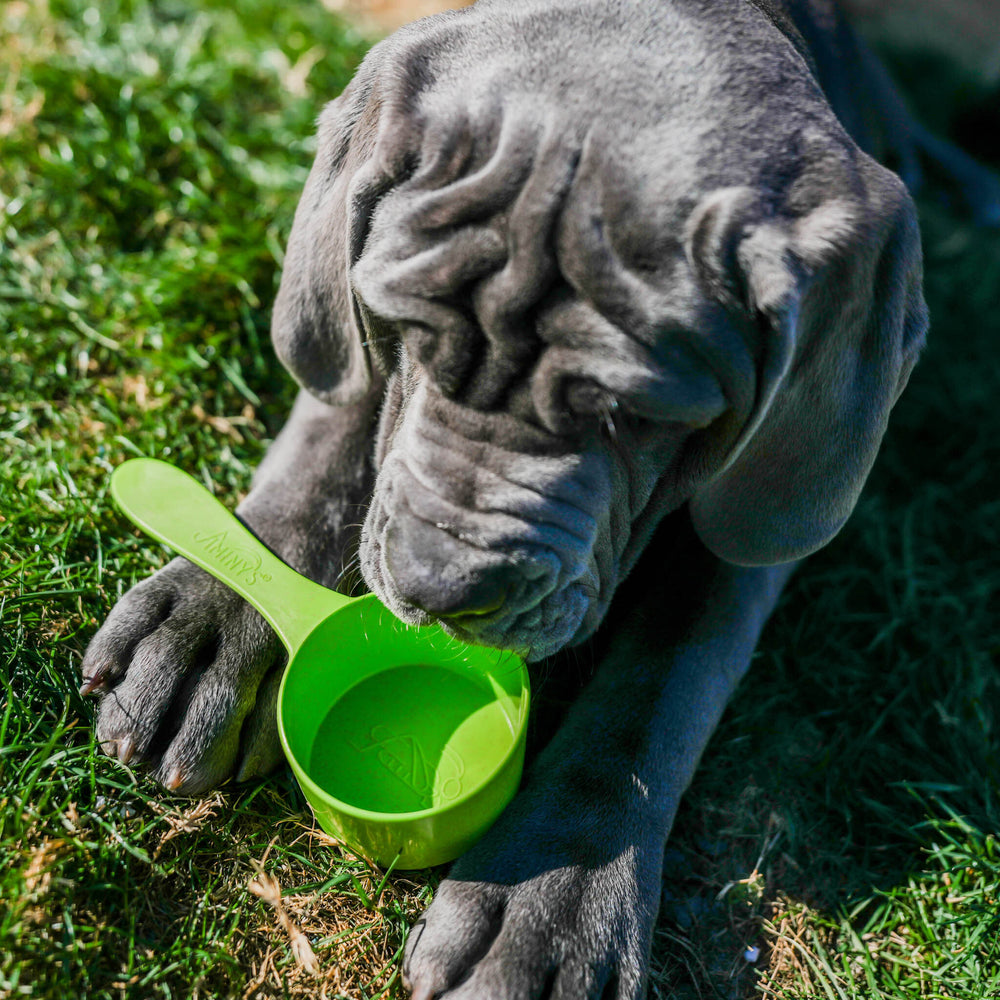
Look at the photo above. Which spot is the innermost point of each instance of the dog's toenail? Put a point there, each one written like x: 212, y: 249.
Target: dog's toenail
x: 174, y: 779
x: 126, y: 749
x: 93, y: 682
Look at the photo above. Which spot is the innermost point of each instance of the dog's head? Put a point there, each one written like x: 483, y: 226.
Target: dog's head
x: 600, y: 274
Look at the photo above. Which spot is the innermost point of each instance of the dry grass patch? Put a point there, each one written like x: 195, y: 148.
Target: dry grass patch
x: 341, y: 939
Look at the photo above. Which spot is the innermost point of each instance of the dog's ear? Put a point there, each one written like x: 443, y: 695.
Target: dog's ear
x: 316, y: 328
x: 836, y: 321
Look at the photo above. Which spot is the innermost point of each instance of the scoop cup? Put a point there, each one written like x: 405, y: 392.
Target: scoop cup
x: 406, y: 742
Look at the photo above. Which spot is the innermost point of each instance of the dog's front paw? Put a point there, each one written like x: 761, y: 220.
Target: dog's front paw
x: 520, y: 918
x: 188, y: 674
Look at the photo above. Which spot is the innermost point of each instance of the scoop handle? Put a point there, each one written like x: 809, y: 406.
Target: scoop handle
x: 172, y: 507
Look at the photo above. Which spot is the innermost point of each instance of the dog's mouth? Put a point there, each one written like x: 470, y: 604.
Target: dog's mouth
x: 558, y: 621
x: 560, y: 618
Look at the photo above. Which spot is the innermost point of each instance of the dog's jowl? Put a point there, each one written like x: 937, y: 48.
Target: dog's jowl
x: 577, y: 290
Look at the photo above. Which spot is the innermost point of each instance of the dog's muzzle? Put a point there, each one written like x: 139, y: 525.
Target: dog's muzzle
x: 504, y: 547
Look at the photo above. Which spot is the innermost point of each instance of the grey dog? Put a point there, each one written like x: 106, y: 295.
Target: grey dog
x: 577, y: 290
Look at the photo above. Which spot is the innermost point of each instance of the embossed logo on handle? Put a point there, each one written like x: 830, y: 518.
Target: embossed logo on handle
x: 239, y: 561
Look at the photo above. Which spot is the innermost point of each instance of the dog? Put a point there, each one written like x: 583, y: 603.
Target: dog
x: 599, y: 309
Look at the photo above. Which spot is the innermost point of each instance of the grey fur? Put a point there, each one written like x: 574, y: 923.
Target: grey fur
x: 577, y: 291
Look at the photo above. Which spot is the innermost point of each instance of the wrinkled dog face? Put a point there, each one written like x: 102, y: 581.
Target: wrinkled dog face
x: 586, y: 312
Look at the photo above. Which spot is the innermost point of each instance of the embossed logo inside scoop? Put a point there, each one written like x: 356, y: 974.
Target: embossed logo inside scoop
x: 402, y: 755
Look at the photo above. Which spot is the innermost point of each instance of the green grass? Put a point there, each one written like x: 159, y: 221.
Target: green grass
x: 843, y: 821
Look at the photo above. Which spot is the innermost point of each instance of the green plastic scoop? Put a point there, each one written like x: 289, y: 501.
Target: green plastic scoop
x: 406, y: 742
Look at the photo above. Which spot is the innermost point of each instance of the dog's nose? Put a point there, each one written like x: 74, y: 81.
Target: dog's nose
x: 434, y: 571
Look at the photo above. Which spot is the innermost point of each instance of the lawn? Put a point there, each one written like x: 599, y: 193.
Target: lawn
x: 840, y: 838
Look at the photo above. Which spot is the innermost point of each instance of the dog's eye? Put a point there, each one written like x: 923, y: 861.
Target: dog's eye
x: 586, y: 403
x: 585, y: 398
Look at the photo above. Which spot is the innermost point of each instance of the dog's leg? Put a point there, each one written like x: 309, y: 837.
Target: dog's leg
x: 871, y: 108
x: 560, y: 897
x: 187, y: 670
x: 906, y: 138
